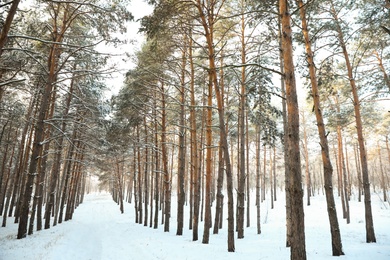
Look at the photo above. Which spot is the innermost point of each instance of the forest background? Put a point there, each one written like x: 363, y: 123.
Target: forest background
x: 208, y: 107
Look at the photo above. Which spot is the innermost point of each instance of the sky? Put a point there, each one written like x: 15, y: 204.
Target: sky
x: 123, y: 62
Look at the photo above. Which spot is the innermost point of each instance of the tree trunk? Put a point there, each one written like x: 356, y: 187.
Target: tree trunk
x: 258, y: 176
x: 271, y: 163
x: 383, y: 180
x: 157, y: 166
x: 241, y: 175
x: 306, y: 153
x: 298, y: 250
x: 208, y: 24
x: 382, y: 68
x: 327, y: 165
x: 285, y: 143
x: 146, y: 174
x: 139, y: 177
x: 339, y: 160
x: 7, y: 26
x: 359, y: 173
x: 248, y: 193
x: 209, y: 122
x: 38, y: 140
x: 370, y: 233
x: 167, y: 181
x: 182, y: 150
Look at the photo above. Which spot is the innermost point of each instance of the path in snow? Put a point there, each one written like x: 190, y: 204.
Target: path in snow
x: 99, y: 231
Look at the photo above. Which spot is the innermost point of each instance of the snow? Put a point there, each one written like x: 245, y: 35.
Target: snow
x: 99, y: 231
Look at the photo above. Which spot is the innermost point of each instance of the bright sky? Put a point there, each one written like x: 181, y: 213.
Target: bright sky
x: 138, y: 8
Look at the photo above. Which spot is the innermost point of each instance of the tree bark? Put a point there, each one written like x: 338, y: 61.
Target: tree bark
x: 7, y: 25
x: 370, y: 233
x: 207, y: 23
x: 306, y: 153
x: 57, y: 158
x: 241, y: 175
x: 39, y: 136
x: 285, y: 143
x: 167, y: 180
x: 182, y: 149
x: 209, y: 122
x: 327, y: 165
x: 219, y: 204
x: 258, y: 175
x: 298, y: 249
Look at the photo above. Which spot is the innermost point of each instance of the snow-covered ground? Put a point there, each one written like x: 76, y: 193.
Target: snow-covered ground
x: 99, y: 231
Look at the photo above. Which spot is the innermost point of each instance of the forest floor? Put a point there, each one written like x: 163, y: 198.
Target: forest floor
x: 99, y: 231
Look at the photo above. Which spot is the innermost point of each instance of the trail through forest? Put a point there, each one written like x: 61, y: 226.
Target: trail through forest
x: 99, y: 231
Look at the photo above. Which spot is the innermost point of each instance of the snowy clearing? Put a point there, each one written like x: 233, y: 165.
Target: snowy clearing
x: 99, y: 231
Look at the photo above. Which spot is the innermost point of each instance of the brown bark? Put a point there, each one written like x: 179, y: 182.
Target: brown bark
x: 383, y: 180
x: 285, y: 143
x: 146, y: 175
x: 207, y: 23
x: 67, y: 176
x: 298, y: 249
x: 40, y: 180
x: 182, y: 149
x: 241, y: 175
x: 271, y: 163
x: 21, y: 184
x: 248, y: 192
x: 359, y: 173
x: 39, y: 129
x: 167, y: 180
x: 339, y: 160
x: 382, y: 68
x: 209, y: 122
x: 57, y: 158
x: 157, y: 165
x: 139, y: 177
x: 327, y: 165
x: 219, y: 204
x: 18, y: 171
x: 306, y: 153
x: 258, y: 174
x: 7, y: 181
x: 7, y: 25
x: 370, y: 233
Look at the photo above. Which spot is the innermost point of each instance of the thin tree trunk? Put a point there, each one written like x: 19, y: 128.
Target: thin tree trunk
x: 241, y: 175
x: 146, y: 174
x: 327, y: 165
x: 285, y: 143
x: 219, y: 205
x: 339, y: 156
x: 359, y: 173
x: 306, y: 153
x: 139, y: 177
x: 157, y: 166
x: 209, y: 118
x: 248, y: 195
x: 258, y: 176
x: 382, y: 68
x: 19, y: 168
x: 167, y: 181
x: 182, y: 149
x: 271, y: 163
x: 370, y: 233
x: 207, y: 24
x: 383, y: 181
x: 38, y: 139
